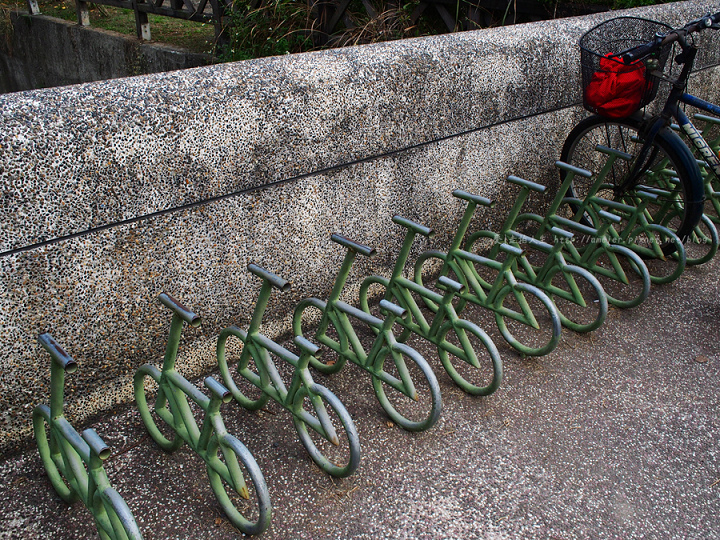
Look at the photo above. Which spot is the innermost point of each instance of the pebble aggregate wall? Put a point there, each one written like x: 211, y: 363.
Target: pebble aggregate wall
x: 115, y: 191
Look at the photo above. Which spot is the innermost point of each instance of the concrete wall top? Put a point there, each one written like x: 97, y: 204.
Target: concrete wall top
x: 79, y: 157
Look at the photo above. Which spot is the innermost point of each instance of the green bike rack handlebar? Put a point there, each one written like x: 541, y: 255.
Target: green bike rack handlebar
x: 526, y: 183
x: 706, y: 118
x: 96, y: 444
x: 539, y: 244
x: 181, y: 311
x: 306, y: 346
x: 648, y: 195
x: 561, y: 233
x: 275, y: 281
x: 512, y: 250
x: 353, y: 246
x: 575, y: 226
x: 57, y: 353
x: 388, y: 307
x: 416, y: 227
x: 573, y: 169
x: 611, y: 151
x: 218, y: 390
x: 617, y: 206
x: 657, y: 191
x: 451, y: 284
x: 608, y: 216
x: 359, y: 314
x: 477, y: 199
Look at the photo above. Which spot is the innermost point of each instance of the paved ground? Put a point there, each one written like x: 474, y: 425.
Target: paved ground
x: 613, y: 435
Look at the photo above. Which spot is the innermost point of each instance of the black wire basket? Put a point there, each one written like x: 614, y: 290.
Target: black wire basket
x: 610, y: 87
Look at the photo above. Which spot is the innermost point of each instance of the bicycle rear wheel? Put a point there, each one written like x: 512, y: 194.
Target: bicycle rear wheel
x: 669, y: 166
x: 51, y: 455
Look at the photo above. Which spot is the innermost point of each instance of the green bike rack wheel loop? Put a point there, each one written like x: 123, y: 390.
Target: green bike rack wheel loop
x: 73, y: 461
x: 232, y: 470
x: 322, y: 422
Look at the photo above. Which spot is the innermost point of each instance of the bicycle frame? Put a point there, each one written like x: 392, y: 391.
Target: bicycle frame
x: 553, y: 224
x: 672, y: 110
x: 338, y: 314
x: 259, y: 348
x: 635, y: 217
x: 554, y: 261
x: 74, y: 463
x: 705, y: 149
x: 710, y: 162
x: 445, y: 317
x: 492, y: 295
x: 174, y: 390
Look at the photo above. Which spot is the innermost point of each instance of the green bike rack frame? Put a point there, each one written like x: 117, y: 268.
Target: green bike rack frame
x: 445, y: 321
x: 636, y: 222
x: 222, y: 452
x: 544, y: 277
x: 601, y: 257
x: 345, y: 342
x: 260, y: 349
x: 74, y: 462
x: 492, y: 295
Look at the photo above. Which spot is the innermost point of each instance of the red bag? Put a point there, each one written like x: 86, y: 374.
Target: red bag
x: 616, y: 90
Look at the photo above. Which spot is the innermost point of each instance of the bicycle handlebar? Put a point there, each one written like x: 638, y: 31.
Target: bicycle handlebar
x: 57, y: 353
x: 274, y: 280
x: 415, y: 227
x: 353, y: 246
x: 678, y: 34
x: 181, y: 311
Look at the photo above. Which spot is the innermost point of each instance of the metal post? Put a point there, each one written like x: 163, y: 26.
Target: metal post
x: 142, y: 25
x: 83, y: 14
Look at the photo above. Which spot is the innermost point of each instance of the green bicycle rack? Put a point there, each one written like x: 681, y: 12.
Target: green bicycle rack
x: 516, y: 317
x: 392, y: 379
x: 303, y: 393
x: 622, y: 273
x: 74, y: 463
x: 222, y: 452
x: 584, y: 302
x: 635, y: 231
x: 447, y: 331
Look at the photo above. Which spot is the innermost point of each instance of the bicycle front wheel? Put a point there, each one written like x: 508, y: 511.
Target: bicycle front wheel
x: 622, y: 274
x: 332, y: 440
x: 669, y: 166
x: 579, y: 297
x: 408, y: 391
x: 246, y: 504
x: 461, y: 347
x: 702, y: 245
x: 527, y: 319
x: 113, y: 517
